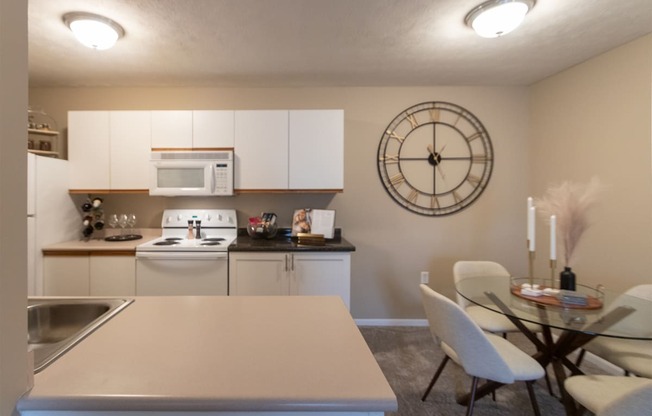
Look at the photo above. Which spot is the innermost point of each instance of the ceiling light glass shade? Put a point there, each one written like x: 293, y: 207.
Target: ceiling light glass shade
x: 94, y: 31
x: 498, y: 17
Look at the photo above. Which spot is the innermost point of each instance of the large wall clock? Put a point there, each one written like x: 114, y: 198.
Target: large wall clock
x: 435, y: 158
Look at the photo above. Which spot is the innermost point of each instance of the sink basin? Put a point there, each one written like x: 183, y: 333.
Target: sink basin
x: 55, y: 325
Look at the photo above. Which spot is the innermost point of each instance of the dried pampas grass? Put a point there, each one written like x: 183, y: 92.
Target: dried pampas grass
x: 570, y: 203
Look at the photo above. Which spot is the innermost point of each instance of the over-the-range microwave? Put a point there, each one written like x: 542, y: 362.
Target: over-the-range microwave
x: 191, y: 173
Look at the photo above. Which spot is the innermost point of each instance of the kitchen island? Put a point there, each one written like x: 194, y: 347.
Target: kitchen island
x: 218, y: 356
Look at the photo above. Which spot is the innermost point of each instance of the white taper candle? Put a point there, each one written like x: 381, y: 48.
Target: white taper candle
x: 553, y: 237
x: 531, y: 232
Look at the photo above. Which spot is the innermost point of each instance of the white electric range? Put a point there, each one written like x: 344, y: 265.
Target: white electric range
x: 191, y: 256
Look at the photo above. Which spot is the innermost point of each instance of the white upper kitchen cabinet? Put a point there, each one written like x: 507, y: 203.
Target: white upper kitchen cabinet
x: 88, y: 150
x: 109, y: 150
x: 171, y: 129
x: 316, y: 149
x: 130, y: 143
x: 213, y: 129
x: 261, y: 149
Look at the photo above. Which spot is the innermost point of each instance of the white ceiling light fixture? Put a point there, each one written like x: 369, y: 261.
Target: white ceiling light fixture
x: 498, y: 17
x: 92, y: 30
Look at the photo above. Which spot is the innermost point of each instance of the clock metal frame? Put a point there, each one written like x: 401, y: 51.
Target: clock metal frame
x: 435, y: 158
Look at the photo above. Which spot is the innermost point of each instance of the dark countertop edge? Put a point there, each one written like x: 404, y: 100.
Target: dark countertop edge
x: 284, y: 242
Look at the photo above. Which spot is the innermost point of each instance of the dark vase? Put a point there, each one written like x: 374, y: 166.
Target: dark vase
x: 567, y: 279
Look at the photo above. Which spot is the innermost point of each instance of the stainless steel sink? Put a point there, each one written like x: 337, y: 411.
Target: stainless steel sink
x: 55, y: 325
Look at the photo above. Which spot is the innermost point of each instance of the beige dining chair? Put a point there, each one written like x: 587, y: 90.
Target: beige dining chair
x: 611, y: 395
x: 488, y: 320
x: 633, y: 356
x: 482, y: 355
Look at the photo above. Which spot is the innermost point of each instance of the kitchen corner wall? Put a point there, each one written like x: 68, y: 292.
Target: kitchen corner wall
x: 393, y: 245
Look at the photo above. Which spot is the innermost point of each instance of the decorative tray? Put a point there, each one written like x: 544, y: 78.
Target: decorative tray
x: 591, y: 301
x: 127, y: 237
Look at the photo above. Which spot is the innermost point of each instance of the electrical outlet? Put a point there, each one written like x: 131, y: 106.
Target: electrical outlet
x: 425, y: 277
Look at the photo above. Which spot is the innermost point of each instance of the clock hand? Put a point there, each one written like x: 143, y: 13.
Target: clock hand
x: 434, y: 155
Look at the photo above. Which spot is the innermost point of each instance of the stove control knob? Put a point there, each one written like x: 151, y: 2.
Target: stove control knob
x: 168, y: 220
x: 179, y: 217
x: 207, y: 217
x: 219, y: 217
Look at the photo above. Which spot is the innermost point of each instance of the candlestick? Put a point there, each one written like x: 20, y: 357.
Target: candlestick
x: 553, y: 273
x: 531, y: 228
x: 553, y: 237
x: 531, y: 266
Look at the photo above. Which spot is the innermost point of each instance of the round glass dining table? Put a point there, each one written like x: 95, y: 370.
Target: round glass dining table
x: 575, y: 317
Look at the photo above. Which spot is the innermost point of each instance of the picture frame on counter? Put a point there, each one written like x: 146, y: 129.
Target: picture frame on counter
x: 313, y: 221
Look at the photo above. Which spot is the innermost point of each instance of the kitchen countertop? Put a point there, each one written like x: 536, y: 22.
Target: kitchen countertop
x: 101, y: 245
x: 283, y: 242
x: 218, y: 354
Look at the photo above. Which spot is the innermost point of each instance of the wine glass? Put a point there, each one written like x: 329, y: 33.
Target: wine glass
x: 122, y: 222
x: 113, y: 221
x: 131, y: 221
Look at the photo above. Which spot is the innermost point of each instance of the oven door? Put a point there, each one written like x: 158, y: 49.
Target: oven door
x: 181, y: 177
x: 182, y: 273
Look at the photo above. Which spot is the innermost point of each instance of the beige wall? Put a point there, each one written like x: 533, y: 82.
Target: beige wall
x: 13, y: 204
x: 594, y: 120
x: 393, y: 244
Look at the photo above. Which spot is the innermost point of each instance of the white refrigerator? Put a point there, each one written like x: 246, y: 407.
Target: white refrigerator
x: 52, y: 216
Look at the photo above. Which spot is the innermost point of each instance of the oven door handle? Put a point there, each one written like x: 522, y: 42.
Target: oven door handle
x: 182, y: 255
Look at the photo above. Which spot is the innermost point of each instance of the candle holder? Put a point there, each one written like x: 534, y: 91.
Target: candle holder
x: 531, y: 266
x: 553, y: 272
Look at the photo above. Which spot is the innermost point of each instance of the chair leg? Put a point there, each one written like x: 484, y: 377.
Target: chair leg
x: 533, y: 397
x: 580, y: 357
x: 474, y: 387
x: 548, y: 383
x: 435, y: 377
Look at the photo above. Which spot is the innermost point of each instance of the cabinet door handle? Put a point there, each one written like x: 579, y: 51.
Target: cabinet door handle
x: 292, y: 264
x: 286, y: 263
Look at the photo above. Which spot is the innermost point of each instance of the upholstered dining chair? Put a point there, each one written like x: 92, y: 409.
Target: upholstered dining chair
x: 611, y: 395
x: 633, y: 356
x: 486, y: 319
x: 482, y: 355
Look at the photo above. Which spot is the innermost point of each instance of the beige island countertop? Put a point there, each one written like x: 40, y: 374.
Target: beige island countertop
x: 217, y: 356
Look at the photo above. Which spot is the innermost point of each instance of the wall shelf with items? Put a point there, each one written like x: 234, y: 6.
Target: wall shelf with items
x: 42, y: 134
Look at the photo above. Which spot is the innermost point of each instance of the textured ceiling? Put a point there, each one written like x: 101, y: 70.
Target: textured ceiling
x: 322, y: 42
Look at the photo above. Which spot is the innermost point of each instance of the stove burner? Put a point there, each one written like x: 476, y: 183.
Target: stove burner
x: 166, y: 243
x: 211, y: 243
x: 213, y: 239
x: 173, y: 239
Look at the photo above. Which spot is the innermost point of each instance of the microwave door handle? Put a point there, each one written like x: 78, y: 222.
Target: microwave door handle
x: 213, y: 184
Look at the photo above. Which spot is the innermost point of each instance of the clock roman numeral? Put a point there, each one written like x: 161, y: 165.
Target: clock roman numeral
x: 457, y: 197
x: 413, y: 196
x: 480, y: 159
x: 434, y: 114
x: 397, y: 179
x: 389, y: 159
x: 434, y: 202
x: 473, y: 180
x: 393, y: 135
x: 413, y: 121
x: 473, y: 136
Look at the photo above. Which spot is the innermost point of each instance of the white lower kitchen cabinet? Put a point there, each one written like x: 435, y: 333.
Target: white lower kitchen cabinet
x: 89, y: 275
x: 66, y: 275
x: 112, y: 275
x: 282, y: 273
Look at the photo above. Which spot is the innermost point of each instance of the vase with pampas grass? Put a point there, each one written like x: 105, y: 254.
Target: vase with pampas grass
x: 570, y: 202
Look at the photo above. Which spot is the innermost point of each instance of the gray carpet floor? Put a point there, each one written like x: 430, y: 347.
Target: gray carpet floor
x: 408, y: 357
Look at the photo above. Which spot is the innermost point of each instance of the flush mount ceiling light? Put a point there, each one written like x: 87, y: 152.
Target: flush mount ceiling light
x: 92, y: 30
x: 498, y: 17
